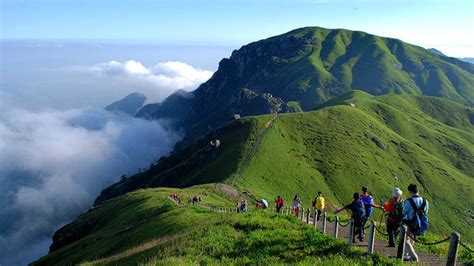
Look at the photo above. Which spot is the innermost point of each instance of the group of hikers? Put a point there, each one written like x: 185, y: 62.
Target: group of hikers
x: 194, y: 200
x: 191, y: 200
x: 176, y: 198
x: 412, y: 212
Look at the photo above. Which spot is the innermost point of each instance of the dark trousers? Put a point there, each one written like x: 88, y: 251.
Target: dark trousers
x: 278, y: 208
x: 358, y: 231
x: 318, y: 214
x: 392, y: 230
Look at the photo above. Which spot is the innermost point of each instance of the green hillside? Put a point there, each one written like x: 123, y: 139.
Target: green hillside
x: 385, y: 141
x: 146, y: 228
x: 303, y: 68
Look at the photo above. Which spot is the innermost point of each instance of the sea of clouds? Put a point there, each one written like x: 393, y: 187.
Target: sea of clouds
x: 54, y: 161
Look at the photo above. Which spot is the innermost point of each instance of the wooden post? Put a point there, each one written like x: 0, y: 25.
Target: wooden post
x: 336, y: 224
x: 302, y: 214
x: 351, y: 232
x: 323, y: 225
x: 453, y: 248
x: 315, y: 218
x: 287, y: 210
x: 402, y: 242
x: 371, y: 244
x: 307, y: 215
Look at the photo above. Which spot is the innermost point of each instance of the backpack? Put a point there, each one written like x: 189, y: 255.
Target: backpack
x: 398, y: 210
x: 419, y: 224
x: 358, y: 211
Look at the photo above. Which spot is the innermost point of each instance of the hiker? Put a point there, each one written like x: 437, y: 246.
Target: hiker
x: 199, y: 199
x: 279, y: 204
x: 415, y: 210
x: 319, y: 204
x: 259, y: 205
x: 243, y: 206
x: 358, y: 215
x: 368, y: 203
x: 394, y: 212
x: 296, y: 205
x: 195, y: 200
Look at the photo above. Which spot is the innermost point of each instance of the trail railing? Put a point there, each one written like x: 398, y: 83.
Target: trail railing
x: 454, y: 239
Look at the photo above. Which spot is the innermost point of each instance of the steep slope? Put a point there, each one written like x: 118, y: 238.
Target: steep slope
x: 385, y: 141
x: 308, y: 66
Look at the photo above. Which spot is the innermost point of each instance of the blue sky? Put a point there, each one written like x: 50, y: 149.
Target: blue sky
x: 446, y: 25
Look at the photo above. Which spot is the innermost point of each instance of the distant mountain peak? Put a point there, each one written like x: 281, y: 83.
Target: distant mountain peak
x: 130, y: 104
x: 436, y: 51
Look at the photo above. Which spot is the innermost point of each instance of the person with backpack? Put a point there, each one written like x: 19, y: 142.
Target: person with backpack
x: 319, y: 204
x: 279, y: 204
x: 394, y: 212
x: 358, y: 215
x: 415, y: 212
x: 296, y: 205
x: 243, y: 206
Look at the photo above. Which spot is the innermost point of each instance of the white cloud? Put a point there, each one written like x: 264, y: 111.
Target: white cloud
x: 54, y: 163
x: 156, y: 82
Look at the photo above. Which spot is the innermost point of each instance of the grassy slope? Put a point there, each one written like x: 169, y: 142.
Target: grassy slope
x: 327, y: 150
x: 146, y: 227
x: 331, y: 150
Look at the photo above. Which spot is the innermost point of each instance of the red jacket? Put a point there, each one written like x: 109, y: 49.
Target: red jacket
x: 389, y: 207
x: 279, y: 202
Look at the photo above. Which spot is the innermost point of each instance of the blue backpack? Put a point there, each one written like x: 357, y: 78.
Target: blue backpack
x: 358, y: 211
x: 419, y: 224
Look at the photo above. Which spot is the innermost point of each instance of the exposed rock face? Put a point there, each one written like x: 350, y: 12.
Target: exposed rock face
x: 130, y: 104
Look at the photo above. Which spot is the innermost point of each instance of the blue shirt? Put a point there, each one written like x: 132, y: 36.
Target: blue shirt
x: 368, y: 200
x: 409, y: 212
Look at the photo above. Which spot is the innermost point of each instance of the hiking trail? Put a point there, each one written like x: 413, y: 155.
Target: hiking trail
x: 254, y: 149
x: 380, y: 245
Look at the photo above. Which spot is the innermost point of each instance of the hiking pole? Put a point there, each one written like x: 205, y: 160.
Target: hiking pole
x: 383, y: 212
x: 381, y: 218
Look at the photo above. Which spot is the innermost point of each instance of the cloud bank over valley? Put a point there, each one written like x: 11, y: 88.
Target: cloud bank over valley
x: 54, y: 163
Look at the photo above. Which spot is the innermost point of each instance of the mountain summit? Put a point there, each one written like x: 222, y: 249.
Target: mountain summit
x: 130, y: 104
x: 305, y: 67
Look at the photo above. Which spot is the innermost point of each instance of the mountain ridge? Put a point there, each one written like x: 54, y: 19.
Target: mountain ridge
x: 305, y: 67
